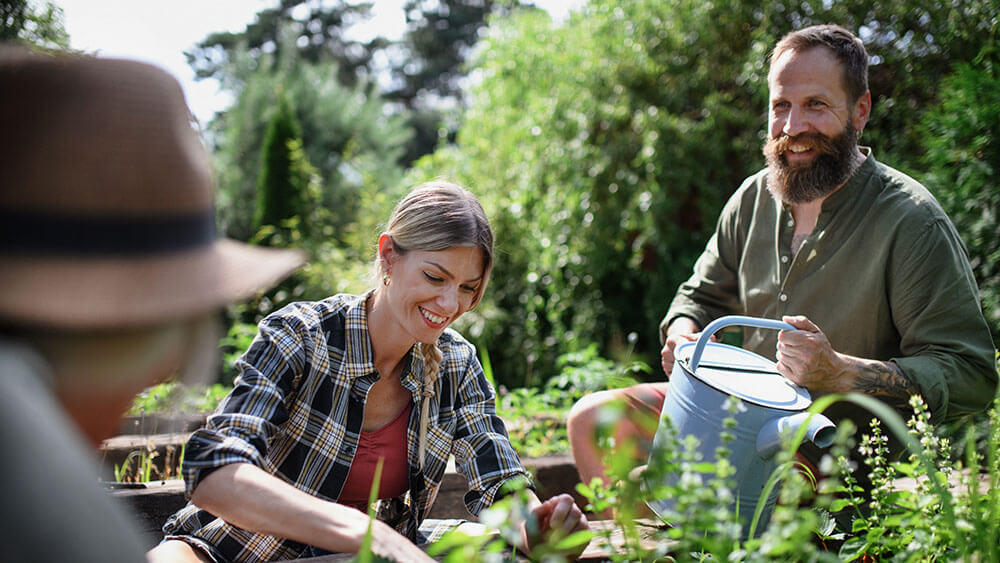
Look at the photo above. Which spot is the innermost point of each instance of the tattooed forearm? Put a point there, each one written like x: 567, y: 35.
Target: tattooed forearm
x: 885, y: 381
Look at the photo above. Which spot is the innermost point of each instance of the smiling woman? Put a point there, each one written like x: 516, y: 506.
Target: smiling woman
x: 330, y: 390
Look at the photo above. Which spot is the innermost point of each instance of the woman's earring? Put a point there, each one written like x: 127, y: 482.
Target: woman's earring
x: 386, y: 278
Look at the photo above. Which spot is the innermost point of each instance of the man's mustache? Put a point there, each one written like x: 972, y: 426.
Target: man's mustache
x: 816, y: 141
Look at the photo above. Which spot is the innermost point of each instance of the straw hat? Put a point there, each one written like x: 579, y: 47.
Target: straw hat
x: 106, y: 200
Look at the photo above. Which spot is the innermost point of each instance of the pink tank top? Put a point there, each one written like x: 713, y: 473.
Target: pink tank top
x: 389, y: 443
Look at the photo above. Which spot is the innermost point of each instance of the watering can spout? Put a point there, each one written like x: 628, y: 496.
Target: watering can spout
x: 819, y: 430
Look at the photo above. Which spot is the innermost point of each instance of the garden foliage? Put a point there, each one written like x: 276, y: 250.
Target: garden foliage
x: 174, y: 397
x: 962, y: 159
x: 536, y: 417
x: 948, y: 511
x: 605, y: 147
x: 347, y: 136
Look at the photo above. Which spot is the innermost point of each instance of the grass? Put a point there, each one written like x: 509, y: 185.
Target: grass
x: 140, y: 466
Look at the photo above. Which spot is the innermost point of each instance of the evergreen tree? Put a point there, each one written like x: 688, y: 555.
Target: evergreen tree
x: 422, y: 72
x: 281, y: 193
x: 429, y: 72
x: 346, y: 133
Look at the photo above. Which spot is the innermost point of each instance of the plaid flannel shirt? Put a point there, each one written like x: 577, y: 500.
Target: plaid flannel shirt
x: 296, y: 411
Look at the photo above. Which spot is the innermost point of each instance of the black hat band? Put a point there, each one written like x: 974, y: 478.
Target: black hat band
x: 48, y: 234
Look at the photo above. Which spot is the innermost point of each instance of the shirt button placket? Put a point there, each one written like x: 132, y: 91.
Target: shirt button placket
x: 785, y: 258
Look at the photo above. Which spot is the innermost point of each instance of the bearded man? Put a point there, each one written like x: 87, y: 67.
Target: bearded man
x: 857, y: 256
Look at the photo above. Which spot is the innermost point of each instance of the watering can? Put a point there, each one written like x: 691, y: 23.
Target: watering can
x: 705, y: 374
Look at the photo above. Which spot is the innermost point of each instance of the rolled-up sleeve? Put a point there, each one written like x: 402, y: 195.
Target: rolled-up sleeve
x: 243, y: 425
x: 945, y: 344
x: 482, y: 449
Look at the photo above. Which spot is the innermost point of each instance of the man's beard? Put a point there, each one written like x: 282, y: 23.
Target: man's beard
x: 830, y: 168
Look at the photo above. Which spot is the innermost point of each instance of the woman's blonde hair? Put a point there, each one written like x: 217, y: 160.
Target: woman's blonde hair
x: 439, y: 215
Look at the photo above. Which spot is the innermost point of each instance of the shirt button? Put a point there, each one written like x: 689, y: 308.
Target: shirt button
x: 783, y: 297
x: 784, y: 259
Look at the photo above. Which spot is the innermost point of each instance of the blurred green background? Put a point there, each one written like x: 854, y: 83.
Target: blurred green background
x: 602, y: 146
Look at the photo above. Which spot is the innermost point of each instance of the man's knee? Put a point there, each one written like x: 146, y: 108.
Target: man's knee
x: 583, y: 415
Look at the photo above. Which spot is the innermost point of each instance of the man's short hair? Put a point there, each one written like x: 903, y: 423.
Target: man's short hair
x: 846, y: 46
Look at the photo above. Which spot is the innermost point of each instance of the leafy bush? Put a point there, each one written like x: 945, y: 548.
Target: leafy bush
x: 536, y: 418
x: 962, y: 158
x: 173, y: 397
x: 604, y: 149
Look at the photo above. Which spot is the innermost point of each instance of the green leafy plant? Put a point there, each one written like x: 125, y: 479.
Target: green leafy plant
x: 951, y: 513
x: 603, y: 163
x: 537, y: 417
x: 174, y: 397
x: 365, y: 553
x: 948, y: 510
x: 962, y: 158
x: 122, y: 472
x: 170, y: 398
x: 502, y: 535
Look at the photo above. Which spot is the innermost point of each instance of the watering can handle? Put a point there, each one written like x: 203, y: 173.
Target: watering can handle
x: 731, y: 320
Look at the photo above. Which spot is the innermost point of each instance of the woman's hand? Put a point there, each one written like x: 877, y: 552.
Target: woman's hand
x: 248, y: 497
x: 557, y: 518
x: 389, y: 544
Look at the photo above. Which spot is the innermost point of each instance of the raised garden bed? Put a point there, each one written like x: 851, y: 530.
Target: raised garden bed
x: 152, y: 503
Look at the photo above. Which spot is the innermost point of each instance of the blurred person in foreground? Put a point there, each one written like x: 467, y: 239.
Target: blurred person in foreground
x: 111, y: 280
x: 330, y: 389
x: 857, y: 256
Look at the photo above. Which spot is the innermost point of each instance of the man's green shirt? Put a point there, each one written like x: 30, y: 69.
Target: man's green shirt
x: 884, y: 275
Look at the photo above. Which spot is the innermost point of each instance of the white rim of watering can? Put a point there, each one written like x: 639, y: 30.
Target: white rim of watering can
x: 803, y: 403
x: 690, y: 366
